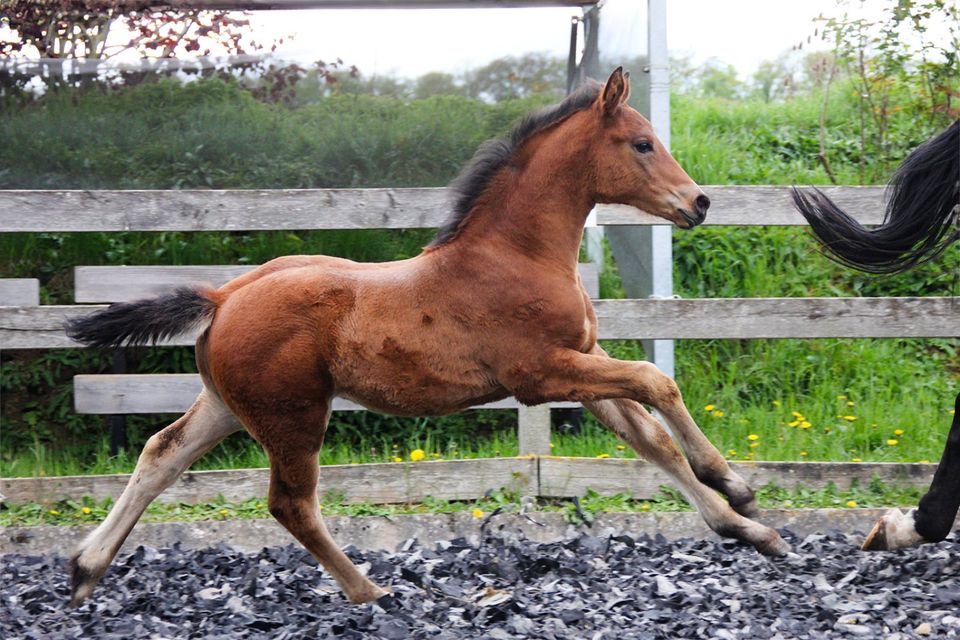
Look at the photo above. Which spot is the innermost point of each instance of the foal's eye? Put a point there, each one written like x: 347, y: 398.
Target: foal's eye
x: 643, y: 147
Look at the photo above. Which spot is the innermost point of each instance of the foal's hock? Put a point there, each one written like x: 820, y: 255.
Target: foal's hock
x: 493, y: 307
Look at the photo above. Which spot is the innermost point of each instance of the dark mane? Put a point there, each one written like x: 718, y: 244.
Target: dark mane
x: 494, y: 154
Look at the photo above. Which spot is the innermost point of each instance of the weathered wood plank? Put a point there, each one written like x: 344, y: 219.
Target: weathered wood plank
x: 125, y: 283
x: 565, y: 477
x: 175, y: 392
x: 533, y: 430
x: 759, y: 206
x: 378, y: 483
x: 19, y: 292
x: 225, y: 210
x: 728, y: 318
x: 303, y: 209
x: 740, y: 318
x: 546, y: 476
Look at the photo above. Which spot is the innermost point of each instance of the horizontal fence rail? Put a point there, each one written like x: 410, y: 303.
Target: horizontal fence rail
x: 175, y: 392
x: 306, y: 209
x: 545, y: 476
x: 722, y: 318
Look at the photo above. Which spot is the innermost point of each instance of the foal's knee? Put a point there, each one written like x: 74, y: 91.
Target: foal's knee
x: 656, y: 387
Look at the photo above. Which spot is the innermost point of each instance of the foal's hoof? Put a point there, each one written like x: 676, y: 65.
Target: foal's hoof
x: 893, y: 530
x: 775, y: 547
x: 82, y: 582
x: 369, y: 594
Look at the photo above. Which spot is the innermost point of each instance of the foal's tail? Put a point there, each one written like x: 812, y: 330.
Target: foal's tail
x: 923, y: 210
x: 145, y: 321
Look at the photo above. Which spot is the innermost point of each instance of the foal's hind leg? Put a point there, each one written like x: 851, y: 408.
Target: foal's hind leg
x: 630, y: 421
x: 164, y: 458
x: 933, y: 519
x: 293, y: 444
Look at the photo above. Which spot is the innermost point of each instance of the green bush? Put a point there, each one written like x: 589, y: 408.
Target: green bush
x: 213, y: 134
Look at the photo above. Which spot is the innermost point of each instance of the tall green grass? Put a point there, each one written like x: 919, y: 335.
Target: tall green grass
x: 214, y: 134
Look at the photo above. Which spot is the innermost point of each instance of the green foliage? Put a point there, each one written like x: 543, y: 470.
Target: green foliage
x: 212, y: 133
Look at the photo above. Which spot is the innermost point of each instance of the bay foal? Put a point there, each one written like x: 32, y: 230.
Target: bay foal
x: 493, y: 308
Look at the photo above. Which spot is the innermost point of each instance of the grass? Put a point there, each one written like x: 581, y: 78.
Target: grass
x: 88, y: 511
x: 213, y: 134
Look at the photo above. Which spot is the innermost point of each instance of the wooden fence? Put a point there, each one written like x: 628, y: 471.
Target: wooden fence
x: 25, y: 324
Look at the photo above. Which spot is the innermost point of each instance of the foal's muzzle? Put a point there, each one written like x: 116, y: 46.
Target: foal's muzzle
x: 699, y: 212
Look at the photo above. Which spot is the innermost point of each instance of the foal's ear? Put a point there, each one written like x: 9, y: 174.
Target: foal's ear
x: 615, y: 91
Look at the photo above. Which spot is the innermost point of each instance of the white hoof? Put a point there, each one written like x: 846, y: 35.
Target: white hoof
x: 894, y: 530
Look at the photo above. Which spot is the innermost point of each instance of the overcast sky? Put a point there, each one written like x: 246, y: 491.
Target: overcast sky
x: 412, y: 42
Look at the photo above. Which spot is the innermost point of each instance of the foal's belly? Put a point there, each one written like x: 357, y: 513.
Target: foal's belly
x: 418, y: 402
x: 403, y: 375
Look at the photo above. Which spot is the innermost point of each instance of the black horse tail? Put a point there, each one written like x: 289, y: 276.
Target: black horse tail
x: 923, y: 209
x: 145, y: 321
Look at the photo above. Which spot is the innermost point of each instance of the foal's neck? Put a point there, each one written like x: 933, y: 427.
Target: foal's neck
x: 536, y: 207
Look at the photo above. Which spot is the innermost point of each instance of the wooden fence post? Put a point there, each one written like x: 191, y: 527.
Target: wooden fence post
x: 533, y: 429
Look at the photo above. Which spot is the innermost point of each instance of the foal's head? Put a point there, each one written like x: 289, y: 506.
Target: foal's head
x: 632, y: 166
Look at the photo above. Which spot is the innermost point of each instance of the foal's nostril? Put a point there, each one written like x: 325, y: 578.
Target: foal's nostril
x: 702, y: 203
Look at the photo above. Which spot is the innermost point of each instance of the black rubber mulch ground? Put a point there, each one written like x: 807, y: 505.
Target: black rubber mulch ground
x: 588, y: 587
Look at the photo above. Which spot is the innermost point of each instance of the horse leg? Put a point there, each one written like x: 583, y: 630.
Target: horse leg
x: 166, y: 455
x: 294, y: 471
x: 565, y: 374
x: 630, y: 421
x: 708, y: 464
x: 933, y: 519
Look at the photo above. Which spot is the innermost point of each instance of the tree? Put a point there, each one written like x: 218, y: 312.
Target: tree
x: 436, y: 83
x: 82, y: 29
x: 513, y: 77
x: 718, y: 80
x: 774, y: 78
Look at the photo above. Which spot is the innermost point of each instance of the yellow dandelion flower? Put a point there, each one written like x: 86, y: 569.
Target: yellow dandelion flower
x: 417, y: 455
x: 924, y: 462
x: 604, y: 455
x: 54, y: 512
x: 803, y: 454
x: 893, y: 442
x: 753, y: 437
x: 797, y: 415
x: 855, y: 460
x: 645, y: 506
x: 805, y: 425
x: 841, y: 397
x: 731, y: 452
x: 709, y: 407
x: 794, y: 423
x: 898, y: 432
x: 86, y: 511
x: 754, y: 444
x: 952, y: 411
x: 775, y: 403
x: 718, y: 414
x: 477, y: 513
x: 849, y: 418
x: 224, y: 512
x: 851, y: 503
x: 397, y: 459
x: 850, y: 403
x: 552, y: 445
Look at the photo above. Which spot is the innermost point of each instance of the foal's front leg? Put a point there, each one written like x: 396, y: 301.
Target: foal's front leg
x: 588, y: 378
x: 630, y: 421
